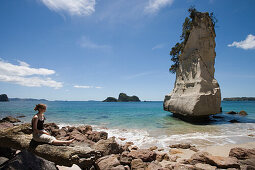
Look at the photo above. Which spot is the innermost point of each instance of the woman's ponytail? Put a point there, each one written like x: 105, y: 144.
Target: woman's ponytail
x: 42, y: 106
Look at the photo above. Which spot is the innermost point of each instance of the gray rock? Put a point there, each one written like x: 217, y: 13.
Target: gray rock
x: 196, y: 92
x: 26, y: 160
x: 3, y: 160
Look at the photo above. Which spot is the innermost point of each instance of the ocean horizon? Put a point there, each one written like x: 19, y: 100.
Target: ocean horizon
x: 144, y: 123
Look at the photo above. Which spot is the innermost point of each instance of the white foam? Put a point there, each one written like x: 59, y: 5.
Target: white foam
x: 228, y: 134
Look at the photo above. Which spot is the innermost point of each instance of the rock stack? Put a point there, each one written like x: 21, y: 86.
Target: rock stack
x: 196, y: 92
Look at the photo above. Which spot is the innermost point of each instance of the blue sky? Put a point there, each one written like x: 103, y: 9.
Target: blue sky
x: 91, y: 49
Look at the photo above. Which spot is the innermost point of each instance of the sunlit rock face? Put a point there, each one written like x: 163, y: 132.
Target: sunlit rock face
x: 196, y: 92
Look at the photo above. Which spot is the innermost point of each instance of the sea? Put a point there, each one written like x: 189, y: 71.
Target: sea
x: 145, y: 124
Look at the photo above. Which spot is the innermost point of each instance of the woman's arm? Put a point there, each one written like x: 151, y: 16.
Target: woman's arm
x: 35, y: 120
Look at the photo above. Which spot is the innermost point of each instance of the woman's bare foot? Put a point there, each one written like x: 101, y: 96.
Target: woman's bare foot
x: 70, y: 141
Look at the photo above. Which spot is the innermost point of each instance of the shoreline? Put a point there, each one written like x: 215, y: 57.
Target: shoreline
x: 106, y: 147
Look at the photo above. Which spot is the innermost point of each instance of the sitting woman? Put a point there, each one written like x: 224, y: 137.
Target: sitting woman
x: 39, y: 134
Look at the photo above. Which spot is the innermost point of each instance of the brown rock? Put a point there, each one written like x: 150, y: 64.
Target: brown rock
x: 181, y: 145
x: 173, y: 158
x: 242, y: 153
x: 50, y: 126
x: 125, y: 159
x: 6, y: 125
x: 153, y: 148
x: 193, y: 148
x: 122, y: 139
x: 10, y: 119
x: 200, y: 166
x: 161, y: 149
x: 160, y: 156
x: 144, y: 154
x: 61, y: 133
x: 108, y: 146
x: 250, y: 162
x: 78, y: 136
x: 175, y: 151
x: 137, y: 164
x: 96, y: 136
x: 108, y: 162
x: 243, y: 113
x: 154, y: 166
x: 84, y: 129
x: 127, y: 145
x: 220, y: 162
x: 179, y: 166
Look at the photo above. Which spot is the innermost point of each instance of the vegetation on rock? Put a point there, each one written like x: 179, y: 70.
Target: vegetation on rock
x: 125, y: 98
x: 189, y: 22
x: 110, y: 99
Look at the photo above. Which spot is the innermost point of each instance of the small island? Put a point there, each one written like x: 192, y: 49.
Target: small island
x: 239, y: 99
x: 122, y: 98
x: 4, y: 98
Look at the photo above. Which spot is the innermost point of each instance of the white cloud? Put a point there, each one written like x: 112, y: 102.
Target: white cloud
x: 83, y: 87
x: 248, y: 43
x: 22, y: 70
x: 73, y: 7
x: 155, y: 5
x: 86, y: 43
x: 21, y: 74
x: 158, y: 46
x: 86, y: 87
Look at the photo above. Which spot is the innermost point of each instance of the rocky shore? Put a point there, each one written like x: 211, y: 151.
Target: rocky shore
x: 95, y: 150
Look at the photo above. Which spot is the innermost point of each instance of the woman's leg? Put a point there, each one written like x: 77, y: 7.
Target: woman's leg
x: 61, y: 142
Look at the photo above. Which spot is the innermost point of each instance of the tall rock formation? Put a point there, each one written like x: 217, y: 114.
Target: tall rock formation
x: 196, y: 92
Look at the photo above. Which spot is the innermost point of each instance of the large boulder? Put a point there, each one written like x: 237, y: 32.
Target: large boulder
x: 218, y: 161
x: 108, y: 146
x: 109, y: 162
x: 27, y: 160
x: 196, y: 92
x: 145, y: 154
x: 242, y: 153
x: 20, y: 137
x: 138, y: 164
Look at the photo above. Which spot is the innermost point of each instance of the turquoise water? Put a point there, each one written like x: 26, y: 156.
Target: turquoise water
x: 145, y: 123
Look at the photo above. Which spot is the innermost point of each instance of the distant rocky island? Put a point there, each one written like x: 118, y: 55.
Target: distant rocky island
x: 4, y: 98
x: 239, y: 99
x: 122, y: 98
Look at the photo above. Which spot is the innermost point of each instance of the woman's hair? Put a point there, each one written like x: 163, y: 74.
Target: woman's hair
x: 42, y: 106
